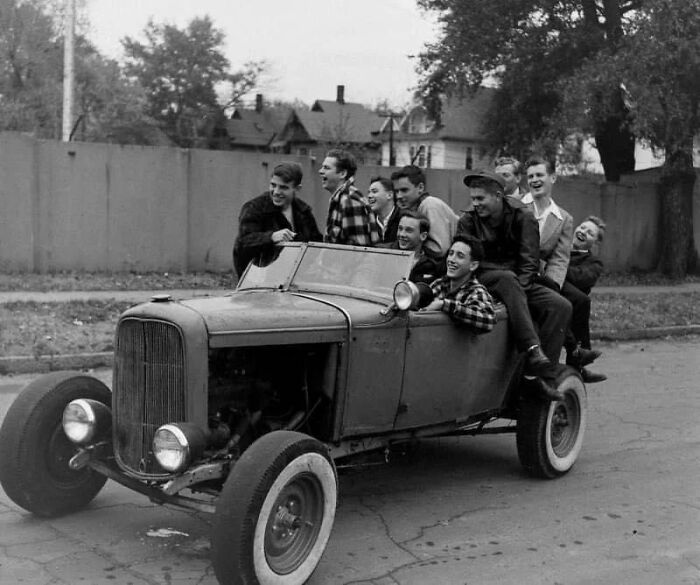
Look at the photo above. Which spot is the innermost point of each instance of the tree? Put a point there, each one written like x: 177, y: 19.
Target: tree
x: 30, y: 55
x: 527, y: 47
x: 180, y: 70
x: 659, y: 64
x: 31, y: 79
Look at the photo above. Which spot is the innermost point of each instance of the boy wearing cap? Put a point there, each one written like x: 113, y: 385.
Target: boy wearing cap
x: 510, y: 237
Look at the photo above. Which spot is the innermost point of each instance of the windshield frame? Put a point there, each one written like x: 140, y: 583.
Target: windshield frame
x: 342, y: 289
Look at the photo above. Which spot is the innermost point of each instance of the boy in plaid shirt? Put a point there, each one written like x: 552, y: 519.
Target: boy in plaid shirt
x: 459, y: 293
x: 350, y: 220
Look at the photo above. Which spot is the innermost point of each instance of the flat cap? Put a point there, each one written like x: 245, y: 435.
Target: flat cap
x: 484, y: 174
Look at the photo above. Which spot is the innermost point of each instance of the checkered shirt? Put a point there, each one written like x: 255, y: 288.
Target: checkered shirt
x: 350, y: 219
x: 471, y: 304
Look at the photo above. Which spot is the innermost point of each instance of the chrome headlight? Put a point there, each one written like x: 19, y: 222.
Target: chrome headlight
x: 84, y: 419
x: 177, y: 445
x: 405, y: 295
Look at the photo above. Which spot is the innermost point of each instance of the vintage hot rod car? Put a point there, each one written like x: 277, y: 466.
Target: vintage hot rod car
x: 242, y: 405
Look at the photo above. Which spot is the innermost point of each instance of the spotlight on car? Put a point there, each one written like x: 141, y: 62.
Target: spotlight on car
x: 177, y: 445
x: 85, y: 420
x: 409, y: 295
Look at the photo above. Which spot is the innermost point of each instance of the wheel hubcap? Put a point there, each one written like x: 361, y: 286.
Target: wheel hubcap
x: 294, y: 524
x: 566, y: 419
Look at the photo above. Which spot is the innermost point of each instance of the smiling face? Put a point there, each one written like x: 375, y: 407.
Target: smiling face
x: 330, y: 176
x: 409, y: 235
x: 586, y: 235
x: 380, y: 199
x: 282, y: 192
x: 459, y: 261
x: 486, y: 204
x: 540, y: 181
x: 407, y: 193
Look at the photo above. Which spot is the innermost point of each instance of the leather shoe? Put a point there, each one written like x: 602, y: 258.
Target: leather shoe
x: 581, y: 357
x: 546, y: 391
x: 591, y: 377
x: 537, y: 363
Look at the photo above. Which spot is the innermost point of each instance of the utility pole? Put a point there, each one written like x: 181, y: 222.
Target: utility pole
x: 392, y: 154
x: 68, y: 70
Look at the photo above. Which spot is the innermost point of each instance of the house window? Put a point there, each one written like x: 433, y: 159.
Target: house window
x: 469, y: 163
x: 412, y: 153
x: 303, y: 151
x: 421, y: 156
x: 429, y: 162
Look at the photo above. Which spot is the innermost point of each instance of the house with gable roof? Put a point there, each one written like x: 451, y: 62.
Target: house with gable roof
x: 255, y: 129
x: 455, y: 141
x: 331, y: 124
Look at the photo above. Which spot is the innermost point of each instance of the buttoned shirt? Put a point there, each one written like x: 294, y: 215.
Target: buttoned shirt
x: 471, y: 304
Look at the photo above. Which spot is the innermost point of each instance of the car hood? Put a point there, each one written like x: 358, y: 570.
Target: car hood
x: 270, y: 317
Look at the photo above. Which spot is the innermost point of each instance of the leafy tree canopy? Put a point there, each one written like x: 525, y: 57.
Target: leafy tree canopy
x: 526, y: 47
x: 181, y: 71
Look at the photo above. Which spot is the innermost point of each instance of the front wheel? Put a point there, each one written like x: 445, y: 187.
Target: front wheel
x: 275, y: 513
x: 34, y: 450
x: 549, y: 434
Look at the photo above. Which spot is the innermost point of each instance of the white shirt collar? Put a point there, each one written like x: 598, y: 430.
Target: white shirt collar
x: 552, y: 208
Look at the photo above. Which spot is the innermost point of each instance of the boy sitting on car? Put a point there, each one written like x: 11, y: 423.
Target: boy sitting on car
x: 459, y: 293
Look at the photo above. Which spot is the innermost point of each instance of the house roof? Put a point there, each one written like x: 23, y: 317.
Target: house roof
x: 330, y: 121
x: 247, y: 133
x: 256, y: 128
x: 461, y: 118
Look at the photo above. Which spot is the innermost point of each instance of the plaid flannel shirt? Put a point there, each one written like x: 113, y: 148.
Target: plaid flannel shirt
x: 470, y: 304
x: 350, y: 219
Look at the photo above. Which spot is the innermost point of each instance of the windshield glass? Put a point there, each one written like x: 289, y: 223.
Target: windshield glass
x: 276, y: 274
x: 342, y: 270
x: 350, y: 271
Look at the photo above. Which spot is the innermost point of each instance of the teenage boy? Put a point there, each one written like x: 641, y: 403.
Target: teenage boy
x: 459, y: 293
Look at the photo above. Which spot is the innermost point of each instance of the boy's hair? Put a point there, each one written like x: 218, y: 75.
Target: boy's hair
x: 509, y: 160
x: 598, y: 222
x: 413, y: 173
x: 540, y: 160
x: 486, y: 184
x: 423, y: 221
x: 289, y: 172
x: 475, y: 246
x: 385, y: 182
x: 344, y: 161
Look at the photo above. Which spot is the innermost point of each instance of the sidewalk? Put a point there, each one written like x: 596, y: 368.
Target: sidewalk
x: 30, y: 364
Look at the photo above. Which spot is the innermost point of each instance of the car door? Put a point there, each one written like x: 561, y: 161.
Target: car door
x: 451, y: 373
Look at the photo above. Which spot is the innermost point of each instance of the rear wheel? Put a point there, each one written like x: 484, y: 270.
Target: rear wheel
x: 549, y: 434
x: 276, y: 511
x: 34, y: 450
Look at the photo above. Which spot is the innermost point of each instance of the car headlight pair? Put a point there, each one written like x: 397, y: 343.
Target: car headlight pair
x: 177, y: 445
x: 86, y: 420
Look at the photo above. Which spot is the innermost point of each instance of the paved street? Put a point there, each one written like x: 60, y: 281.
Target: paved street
x: 455, y: 511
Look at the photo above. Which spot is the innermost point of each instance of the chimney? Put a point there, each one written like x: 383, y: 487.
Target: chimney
x: 258, y: 102
x: 341, y: 94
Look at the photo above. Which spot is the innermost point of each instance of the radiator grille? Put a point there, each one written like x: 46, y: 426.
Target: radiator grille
x: 149, y: 390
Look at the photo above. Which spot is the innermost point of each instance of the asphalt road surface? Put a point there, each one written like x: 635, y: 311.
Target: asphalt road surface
x: 457, y: 511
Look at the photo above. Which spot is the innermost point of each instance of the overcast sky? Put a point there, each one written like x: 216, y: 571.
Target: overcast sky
x: 311, y: 46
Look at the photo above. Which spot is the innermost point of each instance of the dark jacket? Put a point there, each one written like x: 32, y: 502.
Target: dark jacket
x: 584, y: 270
x: 259, y: 218
x: 392, y: 226
x: 428, y: 268
x: 514, y: 245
